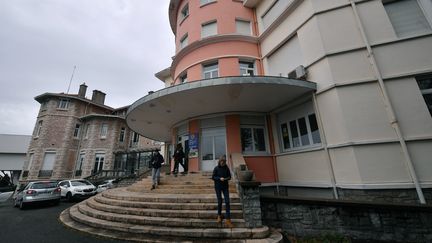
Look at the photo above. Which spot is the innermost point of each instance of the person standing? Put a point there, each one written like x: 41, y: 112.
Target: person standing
x: 178, y: 158
x: 156, y: 163
x: 221, y: 176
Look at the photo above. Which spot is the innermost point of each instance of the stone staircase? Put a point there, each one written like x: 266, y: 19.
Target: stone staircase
x: 183, y: 208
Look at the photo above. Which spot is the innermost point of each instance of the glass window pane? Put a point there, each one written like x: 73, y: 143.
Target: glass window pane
x: 425, y: 83
x: 219, y: 146
x: 294, y: 134
x: 214, y: 74
x: 303, y: 131
x: 259, y: 139
x: 207, y: 148
x: 246, y: 139
x: 314, y: 129
x: 285, y: 136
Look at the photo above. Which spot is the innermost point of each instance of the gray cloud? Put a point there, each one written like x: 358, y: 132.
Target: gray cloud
x: 117, y: 46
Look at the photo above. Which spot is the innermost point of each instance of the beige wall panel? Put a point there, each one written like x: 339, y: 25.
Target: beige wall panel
x: 381, y: 163
x: 351, y: 66
x: 421, y: 154
x: 310, y: 41
x: 405, y: 57
x: 320, y: 73
x: 332, y: 117
x: 364, y: 112
x: 345, y: 166
x: 260, y: 10
x: 308, y: 168
x: 410, y: 108
x: 286, y: 28
x: 320, y: 5
x: 285, y: 59
x: 339, y: 30
x: 375, y: 21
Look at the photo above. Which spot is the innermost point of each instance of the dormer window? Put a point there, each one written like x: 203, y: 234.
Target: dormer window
x: 63, y: 104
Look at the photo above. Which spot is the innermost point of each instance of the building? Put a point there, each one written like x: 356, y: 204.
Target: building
x: 324, y: 99
x: 13, y: 150
x: 76, y: 137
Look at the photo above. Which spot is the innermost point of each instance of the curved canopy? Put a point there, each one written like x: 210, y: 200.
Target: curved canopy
x: 154, y: 115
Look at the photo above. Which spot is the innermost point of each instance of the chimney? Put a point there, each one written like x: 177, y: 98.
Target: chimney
x: 98, y: 97
x: 82, y: 90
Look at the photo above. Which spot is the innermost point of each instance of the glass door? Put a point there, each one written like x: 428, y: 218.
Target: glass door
x: 99, y: 161
x: 184, y: 140
x: 213, y: 146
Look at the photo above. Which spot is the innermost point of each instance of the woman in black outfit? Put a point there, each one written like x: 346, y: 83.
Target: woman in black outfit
x: 221, y: 176
x: 178, y: 158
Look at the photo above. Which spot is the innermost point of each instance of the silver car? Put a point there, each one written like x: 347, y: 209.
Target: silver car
x: 38, y: 191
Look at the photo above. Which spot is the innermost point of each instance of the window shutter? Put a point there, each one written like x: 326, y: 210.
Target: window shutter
x: 407, y: 18
x: 209, y: 29
x: 49, y: 160
x: 243, y: 27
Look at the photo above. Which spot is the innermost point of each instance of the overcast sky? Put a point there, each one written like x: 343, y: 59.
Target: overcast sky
x: 117, y: 46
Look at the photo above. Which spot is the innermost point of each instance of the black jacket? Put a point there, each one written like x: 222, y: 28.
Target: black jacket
x: 221, y: 171
x: 157, y: 161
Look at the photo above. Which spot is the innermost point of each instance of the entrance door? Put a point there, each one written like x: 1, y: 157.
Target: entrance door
x: 213, y: 146
x: 184, y: 140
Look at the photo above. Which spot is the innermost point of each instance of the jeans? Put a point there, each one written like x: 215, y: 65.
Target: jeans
x: 156, y: 176
x: 225, y: 190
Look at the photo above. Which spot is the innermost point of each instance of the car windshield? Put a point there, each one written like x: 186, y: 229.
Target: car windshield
x: 44, y: 185
x: 80, y: 183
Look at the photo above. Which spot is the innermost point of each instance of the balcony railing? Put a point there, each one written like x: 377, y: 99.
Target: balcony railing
x: 45, y: 173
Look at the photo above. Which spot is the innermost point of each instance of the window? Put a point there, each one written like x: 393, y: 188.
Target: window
x: 39, y: 128
x: 183, y: 78
x: 407, y: 16
x: 300, y: 132
x: 246, y: 68
x: 48, y: 164
x: 77, y: 131
x: 122, y: 134
x: 253, y: 139
x: 30, y: 161
x: 243, y: 27
x: 211, y: 70
x: 184, y: 41
x: 99, y: 162
x: 80, y: 162
x: 63, y: 104
x: 104, y: 130
x: 425, y: 85
x: 185, y: 11
x: 204, y: 2
x: 209, y: 29
x: 134, y: 138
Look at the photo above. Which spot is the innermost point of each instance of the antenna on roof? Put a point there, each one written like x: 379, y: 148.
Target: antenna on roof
x: 67, y: 92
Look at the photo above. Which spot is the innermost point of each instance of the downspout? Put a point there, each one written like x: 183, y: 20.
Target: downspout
x: 388, y: 105
x: 79, y: 146
x: 255, y: 30
x: 324, y: 144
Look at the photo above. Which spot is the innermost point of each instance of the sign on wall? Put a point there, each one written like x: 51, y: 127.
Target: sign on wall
x: 193, y: 145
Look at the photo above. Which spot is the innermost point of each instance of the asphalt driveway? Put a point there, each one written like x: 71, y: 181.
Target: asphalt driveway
x: 39, y: 224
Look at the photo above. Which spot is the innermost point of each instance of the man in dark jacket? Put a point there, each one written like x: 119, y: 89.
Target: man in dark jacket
x: 221, y: 176
x: 156, y: 164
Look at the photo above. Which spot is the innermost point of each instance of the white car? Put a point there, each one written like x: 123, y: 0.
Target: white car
x: 74, y: 189
x: 107, y: 184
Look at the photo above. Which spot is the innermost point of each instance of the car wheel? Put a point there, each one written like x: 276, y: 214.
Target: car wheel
x: 69, y: 197
x: 22, y: 205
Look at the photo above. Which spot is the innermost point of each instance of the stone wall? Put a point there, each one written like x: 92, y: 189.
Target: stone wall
x: 359, y: 221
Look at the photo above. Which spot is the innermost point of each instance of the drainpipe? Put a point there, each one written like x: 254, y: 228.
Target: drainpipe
x: 388, y: 105
x: 324, y: 144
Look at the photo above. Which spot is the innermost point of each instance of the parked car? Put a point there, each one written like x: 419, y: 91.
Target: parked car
x: 76, y: 189
x: 107, y: 184
x: 37, y: 191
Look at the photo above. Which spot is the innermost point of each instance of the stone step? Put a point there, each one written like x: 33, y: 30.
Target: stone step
x: 67, y: 220
x: 124, y: 194
x: 197, y: 233
x: 167, y: 190
x: 113, y: 214
x: 168, y: 213
x: 160, y: 205
x: 180, y: 185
